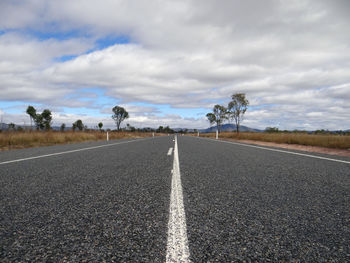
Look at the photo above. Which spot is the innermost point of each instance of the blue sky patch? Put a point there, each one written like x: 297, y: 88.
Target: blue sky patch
x: 65, y: 58
x: 108, y: 41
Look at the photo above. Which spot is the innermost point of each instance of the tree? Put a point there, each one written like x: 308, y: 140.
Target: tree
x: 39, y: 122
x: 78, y: 124
x: 168, y: 130
x: 46, y: 119
x: 63, y: 126
x: 31, y: 111
x: 237, y: 107
x: 100, y: 125
x: 42, y: 120
x: 160, y: 129
x: 119, y: 115
x: 218, y: 116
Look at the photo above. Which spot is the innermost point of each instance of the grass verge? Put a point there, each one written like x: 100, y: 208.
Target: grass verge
x: 19, y: 140
x: 327, y: 140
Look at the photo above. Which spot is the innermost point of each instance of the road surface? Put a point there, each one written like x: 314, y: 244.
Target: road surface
x: 173, y: 200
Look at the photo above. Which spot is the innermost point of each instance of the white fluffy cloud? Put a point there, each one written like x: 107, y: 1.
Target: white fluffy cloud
x: 290, y: 58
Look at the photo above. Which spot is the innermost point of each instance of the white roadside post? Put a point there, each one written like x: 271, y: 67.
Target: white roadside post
x: 198, y: 134
x: 217, y: 134
x: 153, y: 134
x: 107, y: 137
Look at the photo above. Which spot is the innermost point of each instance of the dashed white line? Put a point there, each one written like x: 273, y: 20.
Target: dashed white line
x: 170, y: 151
x: 65, y: 152
x: 177, y: 246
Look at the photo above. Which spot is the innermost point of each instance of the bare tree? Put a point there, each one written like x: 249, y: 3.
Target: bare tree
x: 237, y: 107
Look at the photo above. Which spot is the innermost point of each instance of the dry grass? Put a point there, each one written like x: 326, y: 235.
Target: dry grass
x: 19, y: 140
x: 327, y: 140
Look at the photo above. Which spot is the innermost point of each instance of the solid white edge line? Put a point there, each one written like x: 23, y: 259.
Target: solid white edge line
x: 170, y: 151
x: 282, y: 151
x: 71, y: 151
x: 177, y: 243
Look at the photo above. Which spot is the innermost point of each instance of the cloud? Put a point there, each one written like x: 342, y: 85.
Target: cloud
x: 290, y: 58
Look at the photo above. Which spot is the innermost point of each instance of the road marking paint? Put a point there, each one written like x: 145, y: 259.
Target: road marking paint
x: 177, y: 246
x: 170, y: 151
x: 282, y: 151
x: 71, y: 151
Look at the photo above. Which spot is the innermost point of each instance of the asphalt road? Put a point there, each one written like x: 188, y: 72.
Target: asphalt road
x: 111, y: 203
x: 104, y: 204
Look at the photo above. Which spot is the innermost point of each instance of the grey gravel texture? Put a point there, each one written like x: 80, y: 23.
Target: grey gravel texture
x: 103, y: 205
x: 249, y: 205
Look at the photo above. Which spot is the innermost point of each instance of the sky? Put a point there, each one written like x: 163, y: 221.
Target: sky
x: 170, y: 62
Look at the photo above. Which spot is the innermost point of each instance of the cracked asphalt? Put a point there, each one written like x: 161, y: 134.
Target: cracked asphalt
x: 111, y: 204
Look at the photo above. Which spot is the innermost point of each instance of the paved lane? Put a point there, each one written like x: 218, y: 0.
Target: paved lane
x: 111, y: 203
x: 104, y: 204
x: 248, y: 204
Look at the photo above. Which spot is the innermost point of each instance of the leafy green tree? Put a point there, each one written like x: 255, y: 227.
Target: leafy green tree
x: 120, y: 114
x: 42, y: 120
x: 63, y: 126
x: 46, y: 119
x: 31, y: 111
x: 237, y: 107
x: 218, y: 116
x: 100, y: 125
x: 78, y: 124
x: 39, y: 122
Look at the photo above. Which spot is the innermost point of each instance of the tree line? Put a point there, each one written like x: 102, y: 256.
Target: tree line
x: 43, y: 121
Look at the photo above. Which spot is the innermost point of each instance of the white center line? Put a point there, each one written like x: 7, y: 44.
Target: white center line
x: 71, y: 151
x: 177, y: 247
x: 170, y: 151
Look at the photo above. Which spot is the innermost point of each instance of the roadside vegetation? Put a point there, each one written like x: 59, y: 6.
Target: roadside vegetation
x: 237, y: 107
x: 328, y: 140
x: 43, y: 134
x: 234, y: 112
x: 25, y: 139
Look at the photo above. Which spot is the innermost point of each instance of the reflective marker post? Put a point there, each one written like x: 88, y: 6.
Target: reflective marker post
x: 107, y: 137
x: 217, y: 134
